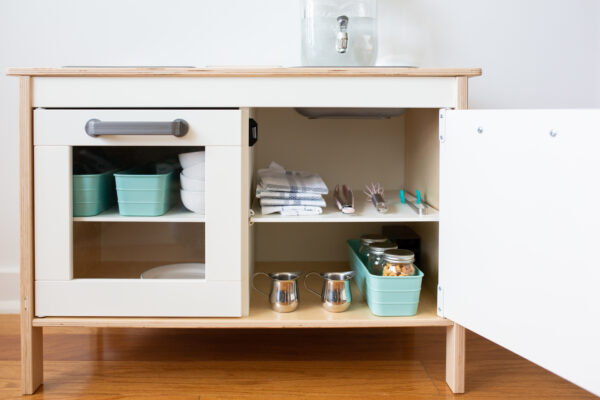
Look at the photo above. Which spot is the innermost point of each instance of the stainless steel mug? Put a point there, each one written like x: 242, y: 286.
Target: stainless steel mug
x: 336, y: 295
x: 284, y: 290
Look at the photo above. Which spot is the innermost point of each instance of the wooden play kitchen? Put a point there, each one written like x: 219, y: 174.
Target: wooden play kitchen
x: 484, y: 234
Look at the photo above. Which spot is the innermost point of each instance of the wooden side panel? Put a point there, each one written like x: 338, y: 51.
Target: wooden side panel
x: 462, y: 93
x: 246, y: 205
x: 422, y: 154
x: 31, y: 337
x: 53, y: 213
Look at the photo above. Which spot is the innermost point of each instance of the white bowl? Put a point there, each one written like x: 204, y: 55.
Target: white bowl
x: 176, y: 271
x: 190, y: 159
x: 194, y: 185
x: 195, y: 172
x: 193, y: 201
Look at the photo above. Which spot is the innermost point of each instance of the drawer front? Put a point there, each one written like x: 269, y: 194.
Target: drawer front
x: 204, y: 127
x: 138, y: 298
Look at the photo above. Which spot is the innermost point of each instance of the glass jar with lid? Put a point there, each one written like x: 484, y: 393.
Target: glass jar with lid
x: 376, y: 261
x: 366, y: 241
x: 339, y: 33
x: 398, y: 262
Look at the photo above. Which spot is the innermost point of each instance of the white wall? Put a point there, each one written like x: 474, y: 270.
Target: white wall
x: 534, y: 54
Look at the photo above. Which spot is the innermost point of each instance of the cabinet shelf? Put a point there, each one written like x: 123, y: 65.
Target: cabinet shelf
x: 175, y: 214
x: 310, y: 314
x: 365, y: 212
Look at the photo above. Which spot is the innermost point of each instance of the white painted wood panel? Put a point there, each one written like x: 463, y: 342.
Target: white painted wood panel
x: 177, y: 213
x: 67, y: 127
x: 53, y: 211
x: 223, y: 213
x: 436, y: 92
x: 138, y: 297
x: 519, y: 234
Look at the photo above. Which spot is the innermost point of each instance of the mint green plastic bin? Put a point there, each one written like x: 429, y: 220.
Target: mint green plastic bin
x: 145, y: 191
x: 386, y: 296
x: 92, y: 193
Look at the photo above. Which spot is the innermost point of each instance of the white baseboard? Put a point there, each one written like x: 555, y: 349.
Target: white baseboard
x: 9, y: 307
x: 9, y: 290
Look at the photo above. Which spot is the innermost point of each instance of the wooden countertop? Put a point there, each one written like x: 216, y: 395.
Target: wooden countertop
x: 245, y: 72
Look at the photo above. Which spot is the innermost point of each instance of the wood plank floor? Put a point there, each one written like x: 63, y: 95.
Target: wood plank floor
x: 393, y: 363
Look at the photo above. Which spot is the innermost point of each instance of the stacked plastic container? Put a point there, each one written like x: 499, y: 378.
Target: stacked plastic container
x: 146, y: 190
x: 92, y: 193
x: 192, y: 181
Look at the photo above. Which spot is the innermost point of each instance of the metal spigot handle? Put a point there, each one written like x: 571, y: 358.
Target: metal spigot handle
x: 341, y: 44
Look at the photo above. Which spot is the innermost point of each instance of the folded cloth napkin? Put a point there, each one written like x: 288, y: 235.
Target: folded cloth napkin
x: 264, y: 201
x: 292, y: 210
x: 260, y: 192
x: 278, y: 179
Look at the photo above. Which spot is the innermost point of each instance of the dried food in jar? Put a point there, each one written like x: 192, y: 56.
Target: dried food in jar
x: 375, y: 260
x: 398, y: 262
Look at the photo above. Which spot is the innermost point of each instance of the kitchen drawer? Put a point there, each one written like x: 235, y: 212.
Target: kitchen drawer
x: 206, y: 127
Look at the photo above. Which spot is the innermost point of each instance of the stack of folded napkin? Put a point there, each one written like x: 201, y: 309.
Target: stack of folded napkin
x: 290, y: 192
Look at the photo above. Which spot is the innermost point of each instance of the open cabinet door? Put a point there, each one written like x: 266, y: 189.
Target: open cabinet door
x: 520, y: 233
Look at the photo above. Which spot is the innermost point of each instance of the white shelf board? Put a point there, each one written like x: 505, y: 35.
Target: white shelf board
x: 177, y: 213
x: 365, y: 211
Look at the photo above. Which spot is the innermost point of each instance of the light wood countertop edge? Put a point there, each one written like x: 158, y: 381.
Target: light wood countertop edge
x: 241, y: 323
x: 242, y: 72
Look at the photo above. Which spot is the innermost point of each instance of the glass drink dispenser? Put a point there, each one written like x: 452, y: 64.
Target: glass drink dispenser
x: 339, y: 33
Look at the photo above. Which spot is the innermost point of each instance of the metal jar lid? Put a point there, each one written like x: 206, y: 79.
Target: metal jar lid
x: 399, y: 256
x: 372, y: 238
x: 379, y: 248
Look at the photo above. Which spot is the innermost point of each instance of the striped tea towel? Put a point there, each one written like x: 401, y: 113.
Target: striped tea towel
x: 292, y: 210
x: 264, y: 201
x: 278, y: 179
x: 260, y: 192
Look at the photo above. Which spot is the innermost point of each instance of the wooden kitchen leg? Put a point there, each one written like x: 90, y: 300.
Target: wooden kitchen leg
x: 455, y: 358
x: 31, y: 337
x: 32, y: 374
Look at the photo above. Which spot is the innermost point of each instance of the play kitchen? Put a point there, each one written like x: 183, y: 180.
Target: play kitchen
x: 427, y: 179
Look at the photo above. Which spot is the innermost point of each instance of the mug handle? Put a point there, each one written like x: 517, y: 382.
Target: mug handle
x: 306, y: 285
x: 257, y: 289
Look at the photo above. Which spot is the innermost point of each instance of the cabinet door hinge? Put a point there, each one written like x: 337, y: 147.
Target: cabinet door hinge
x: 251, y: 217
x: 440, y: 301
x: 442, y: 125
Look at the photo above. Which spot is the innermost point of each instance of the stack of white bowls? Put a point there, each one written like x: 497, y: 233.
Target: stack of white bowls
x: 192, y: 181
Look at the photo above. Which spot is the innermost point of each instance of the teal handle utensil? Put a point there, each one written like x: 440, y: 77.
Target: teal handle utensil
x: 402, y: 198
x: 418, y: 197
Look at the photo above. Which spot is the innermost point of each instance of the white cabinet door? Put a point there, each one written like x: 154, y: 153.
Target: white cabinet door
x: 520, y: 233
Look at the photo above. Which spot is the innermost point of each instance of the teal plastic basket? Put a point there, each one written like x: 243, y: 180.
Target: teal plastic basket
x: 93, y: 193
x: 145, y: 191
x: 386, y: 296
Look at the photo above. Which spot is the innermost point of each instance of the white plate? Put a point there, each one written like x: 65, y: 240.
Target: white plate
x: 175, y: 271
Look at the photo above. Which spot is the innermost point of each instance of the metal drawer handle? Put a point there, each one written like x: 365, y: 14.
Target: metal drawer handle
x: 95, y: 127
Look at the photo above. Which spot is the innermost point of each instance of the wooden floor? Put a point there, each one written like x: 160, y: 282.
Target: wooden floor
x: 394, y: 363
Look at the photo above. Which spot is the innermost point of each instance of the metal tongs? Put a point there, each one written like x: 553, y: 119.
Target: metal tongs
x: 345, y: 204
